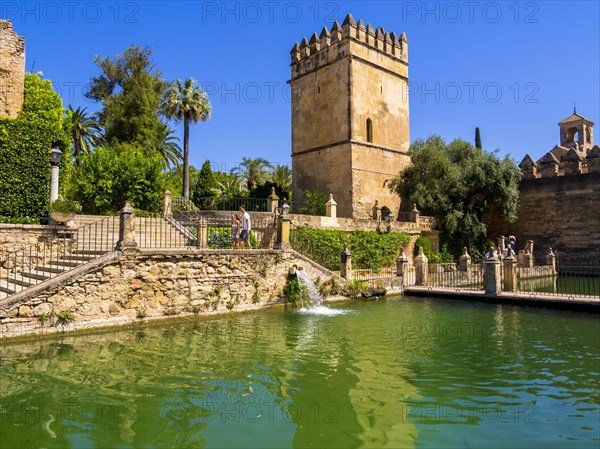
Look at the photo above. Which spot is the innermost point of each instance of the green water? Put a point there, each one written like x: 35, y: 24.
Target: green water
x: 396, y: 373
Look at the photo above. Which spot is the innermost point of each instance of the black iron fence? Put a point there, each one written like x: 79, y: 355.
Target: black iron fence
x: 51, y: 257
x: 373, y: 274
x: 217, y: 203
x: 201, y: 231
x: 570, y: 281
x: 449, y: 275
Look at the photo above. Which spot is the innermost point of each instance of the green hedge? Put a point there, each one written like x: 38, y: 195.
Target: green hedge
x: 369, y: 249
x: 25, y: 161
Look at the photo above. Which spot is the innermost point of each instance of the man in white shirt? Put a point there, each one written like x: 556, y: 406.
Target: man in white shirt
x: 246, y: 227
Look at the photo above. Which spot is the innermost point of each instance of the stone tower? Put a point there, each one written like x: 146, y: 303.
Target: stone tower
x: 577, y: 132
x: 12, y: 70
x: 350, y: 126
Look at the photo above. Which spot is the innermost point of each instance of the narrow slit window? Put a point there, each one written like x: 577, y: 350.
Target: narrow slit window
x: 369, y: 131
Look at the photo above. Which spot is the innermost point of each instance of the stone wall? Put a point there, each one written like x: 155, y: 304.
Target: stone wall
x: 14, y: 237
x: 560, y: 212
x: 12, y: 70
x: 144, y: 285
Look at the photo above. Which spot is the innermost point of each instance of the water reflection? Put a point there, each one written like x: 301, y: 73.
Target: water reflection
x: 396, y: 373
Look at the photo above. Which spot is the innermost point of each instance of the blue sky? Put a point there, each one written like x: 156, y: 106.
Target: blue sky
x: 512, y: 68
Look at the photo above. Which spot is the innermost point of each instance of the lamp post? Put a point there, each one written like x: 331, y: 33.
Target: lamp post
x: 55, y: 157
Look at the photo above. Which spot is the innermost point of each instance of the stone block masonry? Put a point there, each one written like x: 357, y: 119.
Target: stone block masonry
x: 150, y: 284
x: 562, y: 213
x: 12, y: 70
x: 350, y: 116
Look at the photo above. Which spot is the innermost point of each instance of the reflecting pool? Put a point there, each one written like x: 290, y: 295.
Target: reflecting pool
x: 400, y: 372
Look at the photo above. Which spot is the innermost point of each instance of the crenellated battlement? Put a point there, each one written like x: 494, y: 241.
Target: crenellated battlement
x: 377, y: 39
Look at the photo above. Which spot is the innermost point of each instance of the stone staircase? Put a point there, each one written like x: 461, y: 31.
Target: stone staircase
x: 90, y: 238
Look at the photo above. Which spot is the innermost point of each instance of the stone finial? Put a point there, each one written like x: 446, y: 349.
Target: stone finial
x: 349, y: 27
x: 389, y: 45
x: 126, y: 229
x: 572, y: 162
x: 331, y: 207
x: 346, y: 252
x: 127, y: 209
x: 464, y: 261
x: 548, y: 165
x: 421, y: 268
x: 336, y: 32
x: 346, y: 263
x: 349, y: 20
x: 360, y: 25
x: 527, y: 162
x: 528, y: 167
x: 404, y: 46
x: 380, y: 33
x: 315, y: 44
x: 593, y: 160
x: 402, y: 266
x: 167, y: 210
x: 551, y: 259
x: 304, y: 48
x: 325, y: 38
x: 414, y: 209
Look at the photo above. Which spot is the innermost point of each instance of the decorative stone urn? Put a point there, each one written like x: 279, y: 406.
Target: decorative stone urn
x: 61, y: 217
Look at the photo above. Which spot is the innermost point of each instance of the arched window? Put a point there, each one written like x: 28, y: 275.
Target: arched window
x: 369, y: 131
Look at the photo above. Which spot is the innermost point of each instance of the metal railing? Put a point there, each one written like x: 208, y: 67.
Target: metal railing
x: 196, y: 230
x: 217, y: 203
x: 569, y: 281
x: 70, y: 249
x: 447, y: 275
x: 372, y: 274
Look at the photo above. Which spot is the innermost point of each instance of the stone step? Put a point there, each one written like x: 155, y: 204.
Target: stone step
x: 50, y: 268
x: 81, y: 257
x: 66, y: 263
x: 6, y: 290
x: 21, y: 281
x: 89, y: 252
x: 34, y: 275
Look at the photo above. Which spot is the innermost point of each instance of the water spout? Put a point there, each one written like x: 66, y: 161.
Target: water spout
x: 313, y: 295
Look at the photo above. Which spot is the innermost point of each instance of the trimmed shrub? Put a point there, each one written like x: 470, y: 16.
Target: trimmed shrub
x: 25, y: 161
x: 370, y: 249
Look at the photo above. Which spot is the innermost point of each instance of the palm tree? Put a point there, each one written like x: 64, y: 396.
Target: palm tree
x: 187, y: 102
x: 168, y: 148
x: 253, y: 171
x: 282, y: 176
x: 86, y: 132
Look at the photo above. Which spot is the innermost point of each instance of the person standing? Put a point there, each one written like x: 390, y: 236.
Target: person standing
x: 235, y: 231
x: 246, y: 227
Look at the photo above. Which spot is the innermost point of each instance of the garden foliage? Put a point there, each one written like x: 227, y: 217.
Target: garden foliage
x: 369, y: 249
x: 105, y: 179
x: 25, y: 145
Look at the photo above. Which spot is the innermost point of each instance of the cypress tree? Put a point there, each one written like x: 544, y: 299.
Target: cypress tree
x: 477, y: 139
